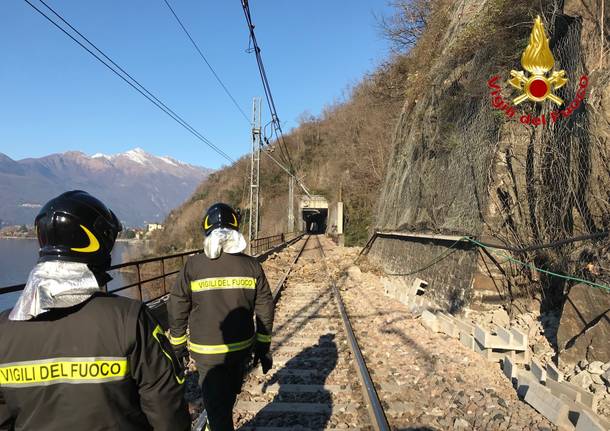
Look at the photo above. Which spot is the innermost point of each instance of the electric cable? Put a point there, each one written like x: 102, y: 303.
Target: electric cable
x: 125, y: 75
x: 547, y: 245
x: 207, y: 62
x: 278, y: 163
x: 450, y: 250
x: 277, y: 127
x: 494, y: 247
x: 544, y: 271
x: 266, y: 87
x: 553, y: 244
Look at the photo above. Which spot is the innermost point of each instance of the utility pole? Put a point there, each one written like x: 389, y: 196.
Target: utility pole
x: 290, y: 204
x: 601, y: 48
x: 255, y: 159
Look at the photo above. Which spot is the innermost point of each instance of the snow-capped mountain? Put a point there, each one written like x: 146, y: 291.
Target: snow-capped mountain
x: 139, y: 187
x: 141, y: 157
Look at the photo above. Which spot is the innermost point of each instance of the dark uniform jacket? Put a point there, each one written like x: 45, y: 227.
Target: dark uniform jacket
x: 216, y: 299
x: 101, y: 365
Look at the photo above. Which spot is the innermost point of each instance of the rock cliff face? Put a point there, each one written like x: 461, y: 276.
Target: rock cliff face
x: 461, y: 167
x: 585, y: 326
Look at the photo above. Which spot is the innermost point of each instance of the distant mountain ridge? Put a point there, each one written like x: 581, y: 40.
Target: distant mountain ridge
x: 138, y: 186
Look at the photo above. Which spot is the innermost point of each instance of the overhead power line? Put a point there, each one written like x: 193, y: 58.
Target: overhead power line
x: 207, y: 62
x: 277, y: 126
x: 125, y: 76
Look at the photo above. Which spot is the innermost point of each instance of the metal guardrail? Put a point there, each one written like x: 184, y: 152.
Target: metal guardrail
x: 142, y: 273
x: 261, y: 245
x: 147, y: 279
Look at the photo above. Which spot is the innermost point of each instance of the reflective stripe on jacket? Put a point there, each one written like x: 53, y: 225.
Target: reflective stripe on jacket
x: 104, y: 364
x: 216, y: 300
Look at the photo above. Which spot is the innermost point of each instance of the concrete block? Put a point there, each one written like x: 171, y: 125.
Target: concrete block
x: 430, y: 321
x: 526, y: 380
x: 589, y: 399
x: 467, y: 340
x: 586, y: 397
x: 497, y: 355
x: 491, y: 341
x: 478, y: 348
x: 538, y: 370
x: 507, y: 340
x: 446, y: 325
x: 572, y: 392
x: 521, y: 357
x: 482, y: 336
x: 418, y: 287
x: 388, y: 286
x: 505, y: 335
x: 415, y: 310
x: 494, y: 355
x: 464, y: 327
x: 519, y: 338
x: 551, y: 407
x: 553, y: 372
x: 509, y: 369
x: 577, y: 409
x: 588, y: 422
x: 558, y: 389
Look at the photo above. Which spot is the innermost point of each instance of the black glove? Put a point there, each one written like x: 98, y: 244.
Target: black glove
x: 182, y: 354
x: 262, y: 354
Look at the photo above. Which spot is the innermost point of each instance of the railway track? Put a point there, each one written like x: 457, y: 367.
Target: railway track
x: 319, y: 379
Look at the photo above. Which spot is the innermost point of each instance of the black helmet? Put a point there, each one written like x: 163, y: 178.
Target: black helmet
x: 77, y: 227
x: 220, y: 215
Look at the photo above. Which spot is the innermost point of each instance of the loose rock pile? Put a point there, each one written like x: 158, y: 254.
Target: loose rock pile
x: 276, y: 264
x: 542, y: 333
x: 594, y: 377
x: 426, y: 379
x: 582, y: 399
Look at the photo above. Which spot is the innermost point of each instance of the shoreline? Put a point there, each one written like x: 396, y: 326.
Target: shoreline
x: 17, y: 237
x: 118, y: 239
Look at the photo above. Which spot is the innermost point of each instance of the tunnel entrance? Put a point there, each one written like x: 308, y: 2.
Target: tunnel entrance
x: 314, y: 214
x: 315, y: 220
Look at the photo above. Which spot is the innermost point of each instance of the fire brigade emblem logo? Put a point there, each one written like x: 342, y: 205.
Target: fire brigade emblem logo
x: 538, y: 60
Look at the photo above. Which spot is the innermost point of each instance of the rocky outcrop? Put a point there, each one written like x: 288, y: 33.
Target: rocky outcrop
x: 584, y: 329
x: 460, y: 166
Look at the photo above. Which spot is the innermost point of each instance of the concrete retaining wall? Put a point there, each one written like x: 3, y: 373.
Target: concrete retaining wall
x: 449, y: 281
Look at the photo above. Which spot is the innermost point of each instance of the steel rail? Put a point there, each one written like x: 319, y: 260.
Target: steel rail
x: 376, y: 411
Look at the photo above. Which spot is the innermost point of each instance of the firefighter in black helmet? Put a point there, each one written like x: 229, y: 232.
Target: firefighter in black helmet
x: 216, y: 295
x: 74, y: 357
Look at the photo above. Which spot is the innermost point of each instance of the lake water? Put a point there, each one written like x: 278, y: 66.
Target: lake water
x: 18, y: 257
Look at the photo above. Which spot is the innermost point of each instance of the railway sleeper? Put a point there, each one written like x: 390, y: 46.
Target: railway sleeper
x: 254, y: 407
x: 292, y: 429
x: 312, y: 351
x: 302, y: 388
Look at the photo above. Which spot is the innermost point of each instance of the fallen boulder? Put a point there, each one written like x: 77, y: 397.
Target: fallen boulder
x: 584, y: 328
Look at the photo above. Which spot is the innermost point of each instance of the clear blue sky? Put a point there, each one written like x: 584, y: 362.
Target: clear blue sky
x: 55, y: 97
